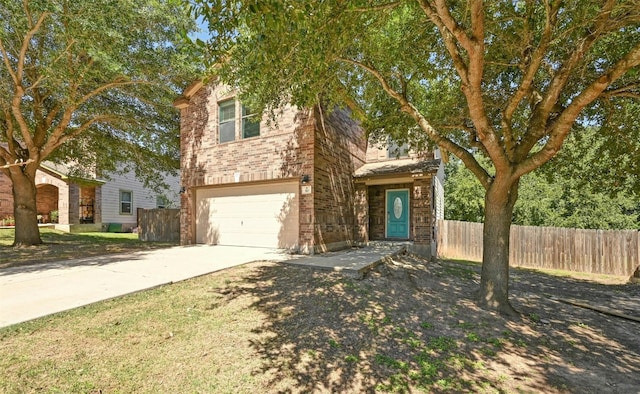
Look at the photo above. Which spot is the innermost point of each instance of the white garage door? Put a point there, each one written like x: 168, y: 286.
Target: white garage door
x: 259, y: 215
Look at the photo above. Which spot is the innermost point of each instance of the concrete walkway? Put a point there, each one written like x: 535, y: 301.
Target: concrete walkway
x: 354, y: 261
x: 34, y: 291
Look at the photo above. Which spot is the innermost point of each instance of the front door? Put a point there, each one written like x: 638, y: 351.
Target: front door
x: 398, y: 214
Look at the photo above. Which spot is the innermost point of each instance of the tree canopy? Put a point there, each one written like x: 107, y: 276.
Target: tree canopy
x: 506, y: 80
x: 90, y: 82
x: 561, y: 194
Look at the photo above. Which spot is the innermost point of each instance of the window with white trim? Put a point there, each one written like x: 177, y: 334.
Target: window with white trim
x: 162, y: 201
x: 250, y: 123
x: 126, y: 202
x: 395, y: 151
x: 229, y: 123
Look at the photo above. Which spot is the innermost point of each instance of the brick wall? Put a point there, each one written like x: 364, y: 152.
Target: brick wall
x: 378, y: 210
x: 6, y: 196
x: 361, y: 209
x: 340, y: 149
x: 326, y: 147
x: 282, y: 151
x: 52, y: 193
x: 422, y: 222
x: 46, y: 201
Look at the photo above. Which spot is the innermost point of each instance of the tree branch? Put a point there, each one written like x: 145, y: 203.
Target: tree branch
x: 445, y: 143
x: 632, y: 91
x: 538, y: 126
x: 379, y: 7
x: 531, y: 67
x: 50, y: 147
x: 448, y: 37
x: 563, y: 124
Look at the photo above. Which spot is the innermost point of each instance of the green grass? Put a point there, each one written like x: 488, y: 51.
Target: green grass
x: 58, y: 245
x: 267, y: 327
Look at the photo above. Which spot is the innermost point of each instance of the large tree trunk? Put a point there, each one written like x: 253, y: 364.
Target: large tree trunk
x: 494, y: 283
x: 24, y: 207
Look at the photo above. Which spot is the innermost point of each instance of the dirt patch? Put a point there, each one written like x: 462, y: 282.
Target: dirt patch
x: 411, y: 325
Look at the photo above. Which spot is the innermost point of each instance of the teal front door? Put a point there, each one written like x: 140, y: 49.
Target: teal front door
x: 398, y: 214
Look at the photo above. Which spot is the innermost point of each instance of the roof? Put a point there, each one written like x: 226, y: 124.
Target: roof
x: 69, y: 173
x: 400, y: 166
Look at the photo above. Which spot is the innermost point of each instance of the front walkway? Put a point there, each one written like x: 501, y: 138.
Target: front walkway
x: 38, y: 290
x: 354, y: 261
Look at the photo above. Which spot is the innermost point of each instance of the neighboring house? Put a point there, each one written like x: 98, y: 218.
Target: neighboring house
x: 307, y: 182
x: 85, y: 203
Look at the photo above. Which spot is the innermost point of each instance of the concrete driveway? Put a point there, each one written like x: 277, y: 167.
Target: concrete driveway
x: 33, y: 291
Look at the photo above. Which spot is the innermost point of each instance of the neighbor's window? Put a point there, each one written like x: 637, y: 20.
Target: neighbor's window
x: 126, y: 202
x: 395, y: 151
x: 227, y: 121
x: 250, y: 123
x: 162, y: 201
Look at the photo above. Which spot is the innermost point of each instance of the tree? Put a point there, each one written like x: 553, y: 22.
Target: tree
x: 463, y: 194
x: 504, y: 79
x: 559, y: 195
x: 90, y: 82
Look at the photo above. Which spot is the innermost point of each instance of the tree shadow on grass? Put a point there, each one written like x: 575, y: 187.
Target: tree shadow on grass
x: 411, y: 325
x: 63, y: 250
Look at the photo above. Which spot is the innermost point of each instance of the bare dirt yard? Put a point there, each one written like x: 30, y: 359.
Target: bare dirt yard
x: 411, y: 325
x: 407, y: 326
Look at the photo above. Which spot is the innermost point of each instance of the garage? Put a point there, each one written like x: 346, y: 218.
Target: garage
x: 264, y: 215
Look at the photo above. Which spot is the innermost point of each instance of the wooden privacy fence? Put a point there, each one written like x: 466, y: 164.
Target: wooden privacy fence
x: 159, y: 225
x: 610, y: 252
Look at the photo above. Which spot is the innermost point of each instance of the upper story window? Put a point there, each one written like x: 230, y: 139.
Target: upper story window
x: 248, y: 123
x: 394, y: 150
x: 227, y: 120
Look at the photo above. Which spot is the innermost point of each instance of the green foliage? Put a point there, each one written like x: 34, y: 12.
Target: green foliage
x: 507, y: 81
x: 93, y: 82
x: 463, y: 194
x: 580, y: 188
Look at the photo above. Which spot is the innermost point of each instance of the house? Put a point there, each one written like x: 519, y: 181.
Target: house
x: 81, y: 203
x: 307, y: 181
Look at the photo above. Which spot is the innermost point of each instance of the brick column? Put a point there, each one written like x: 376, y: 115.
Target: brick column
x: 422, y: 211
x: 73, y: 212
x: 361, y: 213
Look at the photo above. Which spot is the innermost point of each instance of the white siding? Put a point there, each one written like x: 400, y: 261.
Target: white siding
x: 142, y: 197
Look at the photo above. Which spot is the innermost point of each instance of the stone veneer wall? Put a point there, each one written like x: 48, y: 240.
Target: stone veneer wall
x: 340, y: 148
x: 279, y: 153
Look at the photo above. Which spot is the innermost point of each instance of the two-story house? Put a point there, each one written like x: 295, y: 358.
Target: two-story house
x: 307, y: 182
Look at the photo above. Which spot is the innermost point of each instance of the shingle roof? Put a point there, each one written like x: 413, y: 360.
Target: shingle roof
x: 400, y: 166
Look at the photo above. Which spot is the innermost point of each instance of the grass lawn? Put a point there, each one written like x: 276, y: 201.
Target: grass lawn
x: 58, y: 245
x: 408, y: 326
